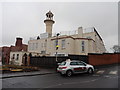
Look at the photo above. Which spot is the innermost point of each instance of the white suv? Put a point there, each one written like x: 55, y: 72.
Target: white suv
x: 70, y: 67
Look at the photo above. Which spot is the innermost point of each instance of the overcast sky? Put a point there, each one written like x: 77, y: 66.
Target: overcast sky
x: 26, y: 19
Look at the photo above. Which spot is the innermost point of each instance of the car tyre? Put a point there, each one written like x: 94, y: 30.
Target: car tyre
x: 69, y: 73
x: 90, y: 71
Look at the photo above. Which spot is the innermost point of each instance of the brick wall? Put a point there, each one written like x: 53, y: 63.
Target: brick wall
x: 104, y: 59
x: 5, y: 54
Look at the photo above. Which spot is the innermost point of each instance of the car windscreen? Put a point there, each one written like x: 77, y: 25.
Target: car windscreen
x: 63, y: 63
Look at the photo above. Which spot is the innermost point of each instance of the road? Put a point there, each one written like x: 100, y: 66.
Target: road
x: 102, y: 78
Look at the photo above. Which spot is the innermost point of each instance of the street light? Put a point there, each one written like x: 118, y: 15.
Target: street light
x: 57, y: 45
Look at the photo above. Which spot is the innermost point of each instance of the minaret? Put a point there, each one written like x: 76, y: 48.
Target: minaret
x: 49, y: 22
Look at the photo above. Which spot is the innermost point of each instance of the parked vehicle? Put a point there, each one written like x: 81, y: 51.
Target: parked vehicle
x: 70, y: 67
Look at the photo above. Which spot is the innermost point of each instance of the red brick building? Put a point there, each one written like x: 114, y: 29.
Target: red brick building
x: 5, y: 51
x: 5, y: 54
x: 19, y: 46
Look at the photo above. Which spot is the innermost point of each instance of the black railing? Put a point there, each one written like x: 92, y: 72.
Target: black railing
x: 50, y: 61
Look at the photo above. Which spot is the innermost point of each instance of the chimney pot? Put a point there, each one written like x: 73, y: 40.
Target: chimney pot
x: 18, y: 42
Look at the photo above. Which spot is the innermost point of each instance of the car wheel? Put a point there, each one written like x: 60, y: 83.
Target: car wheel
x: 90, y: 71
x: 69, y: 73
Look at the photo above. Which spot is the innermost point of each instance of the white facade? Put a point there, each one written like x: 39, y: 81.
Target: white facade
x: 81, y: 43
x: 17, y: 57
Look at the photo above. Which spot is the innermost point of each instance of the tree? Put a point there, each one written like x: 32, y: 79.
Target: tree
x: 116, y: 48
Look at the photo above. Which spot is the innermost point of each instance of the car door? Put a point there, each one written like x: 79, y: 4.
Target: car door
x: 74, y: 66
x: 82, y: 67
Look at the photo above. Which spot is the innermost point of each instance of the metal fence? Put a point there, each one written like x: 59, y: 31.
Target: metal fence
x: 83, y: 58
x: 46, y: 61
x: 50, y: 61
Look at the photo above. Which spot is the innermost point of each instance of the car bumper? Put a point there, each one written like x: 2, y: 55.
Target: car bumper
x: 62, y: 71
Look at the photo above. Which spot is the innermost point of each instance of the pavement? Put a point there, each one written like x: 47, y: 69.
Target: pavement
x: 42, y: 71
x: 102, y: 78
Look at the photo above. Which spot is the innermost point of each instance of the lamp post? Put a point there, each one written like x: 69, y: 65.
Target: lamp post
x: 57, y: 45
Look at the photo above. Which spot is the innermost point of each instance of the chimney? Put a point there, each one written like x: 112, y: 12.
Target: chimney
x: 80, y: 32
x: 18, y: 42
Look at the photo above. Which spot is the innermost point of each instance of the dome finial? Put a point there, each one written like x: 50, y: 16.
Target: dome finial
x: 49, y: 15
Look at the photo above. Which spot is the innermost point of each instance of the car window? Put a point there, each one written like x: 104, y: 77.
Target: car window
x: 77, y: 63
x: 80, y: 63
x: 63, y: 63
x: 73, y: 63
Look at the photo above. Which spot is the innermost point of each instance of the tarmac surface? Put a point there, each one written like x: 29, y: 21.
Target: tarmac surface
x: 107, y: 77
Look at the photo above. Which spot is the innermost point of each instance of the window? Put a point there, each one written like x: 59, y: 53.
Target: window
x: 60, y: 54
x: 13, y: 56
x: 89, y: 37
x: 33, y: 46
x: 43, y: 52
x: 36, y: 45
x: 17, y: 57
x: 63, y: 44
x: 42, y: 45
x: 29, y: 46
x: 83, y: 46
x: 45, y: 45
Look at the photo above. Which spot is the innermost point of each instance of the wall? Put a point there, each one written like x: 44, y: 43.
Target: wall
x: 104, y: 59
x: 19, y: 61
x: 50, y: 61
x: 5, y: 55
x: 72, y: 46
x: 93, y: 59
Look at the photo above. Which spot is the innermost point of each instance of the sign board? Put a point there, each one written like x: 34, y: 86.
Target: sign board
x: 44, y: 35
x: 57, y: 46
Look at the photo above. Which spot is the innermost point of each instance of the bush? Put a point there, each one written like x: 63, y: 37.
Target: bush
x: 17, y: 68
